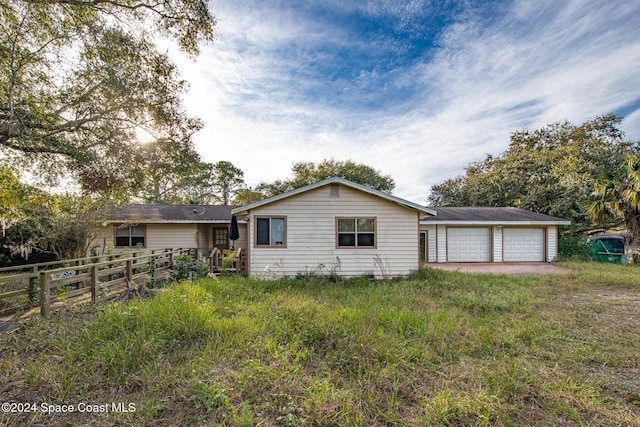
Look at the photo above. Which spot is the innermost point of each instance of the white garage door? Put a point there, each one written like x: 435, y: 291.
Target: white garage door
x: 523, y: 244
x: 469, y: 244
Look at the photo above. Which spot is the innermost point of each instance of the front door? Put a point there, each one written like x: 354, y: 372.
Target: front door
x: 221, y: 238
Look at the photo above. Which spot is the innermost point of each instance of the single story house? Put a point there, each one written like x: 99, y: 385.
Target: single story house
x: 168, y: 226
x: 333, y: 224
x: 340, y: 226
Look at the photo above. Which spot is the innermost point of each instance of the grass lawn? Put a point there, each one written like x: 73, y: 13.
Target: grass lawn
x: 440, y: 348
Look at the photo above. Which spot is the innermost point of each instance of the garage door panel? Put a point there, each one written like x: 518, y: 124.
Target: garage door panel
x: 523, y: 245
x: 469, y: 244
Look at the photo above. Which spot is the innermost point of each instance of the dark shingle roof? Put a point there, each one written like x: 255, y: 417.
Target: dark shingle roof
x: 170, y: 213
x: 490, y: 214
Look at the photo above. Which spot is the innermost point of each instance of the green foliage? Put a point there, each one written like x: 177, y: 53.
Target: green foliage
x: 305, y: 173
x: 200, y: 268
x: 321, y: 272
x: 186, y: 268
x: 551, y: 170
x: 150, y: 281
x: 187, y: 180
x: 246, y: 196
x: 573, y: 248
x: 439, y: 348
x: 170, y: 177
x: 79, y: 79
x: 226, y: 180
x: 33, y: 220
x: 181, y: 268
x: 617, y: 197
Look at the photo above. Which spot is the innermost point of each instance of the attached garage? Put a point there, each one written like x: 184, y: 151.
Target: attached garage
x: 490, y: 234
x: 523, y: 244
x: 469, y: 244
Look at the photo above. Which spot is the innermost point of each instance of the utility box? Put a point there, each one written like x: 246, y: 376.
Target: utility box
x: 608, y: 249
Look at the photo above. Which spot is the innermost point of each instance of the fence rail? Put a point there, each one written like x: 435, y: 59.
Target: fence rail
x: 100, y: 276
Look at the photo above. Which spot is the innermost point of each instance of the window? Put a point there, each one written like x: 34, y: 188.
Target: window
x: 356, y: 232
x: 221, y: 236
x: 130, y: 235
x: 270, y: 231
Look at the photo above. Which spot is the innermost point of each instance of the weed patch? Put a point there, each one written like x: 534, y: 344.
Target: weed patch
x: 438, y: 348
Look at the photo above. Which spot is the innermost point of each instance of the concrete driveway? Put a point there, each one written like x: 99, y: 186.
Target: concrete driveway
x: 513, y: 269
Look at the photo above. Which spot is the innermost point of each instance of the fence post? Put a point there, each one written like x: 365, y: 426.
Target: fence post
x: 129, y: 272
x: 110, y: 258
x: 45, y: 294
x: 94, y: 284
x: 32, y: 287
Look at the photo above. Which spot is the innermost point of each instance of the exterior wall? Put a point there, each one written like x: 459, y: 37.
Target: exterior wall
x: 438, y: 241
x: 243, y: 240
x: 496, y: 233
x: 311, y: 235
x: 552, y: 243
x: 432, y: 240
x: 204, y: 236
x: 172, y: 236
x: 157, y: 236
x: 442, y: 243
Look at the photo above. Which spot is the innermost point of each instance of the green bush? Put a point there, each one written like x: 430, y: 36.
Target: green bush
x: 182, y: 268
x: 201, y: 268
x: 573, y: 248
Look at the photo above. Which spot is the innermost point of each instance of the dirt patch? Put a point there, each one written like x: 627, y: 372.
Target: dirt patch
x: 621, y: 297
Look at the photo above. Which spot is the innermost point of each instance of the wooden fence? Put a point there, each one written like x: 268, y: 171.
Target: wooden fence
x: 100, y: 276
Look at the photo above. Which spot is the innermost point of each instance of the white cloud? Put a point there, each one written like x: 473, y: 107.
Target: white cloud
x: 260, y: 87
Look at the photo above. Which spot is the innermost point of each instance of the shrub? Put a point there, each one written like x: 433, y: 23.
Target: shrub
x: 573, y: 248
x: 182, y: 268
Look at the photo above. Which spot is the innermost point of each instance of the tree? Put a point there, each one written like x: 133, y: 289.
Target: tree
x: 226, y: 179
x: 617, y: 199
x: 51, y: 225
x: 305, y: 173
x: 79, y: 77
x: 551, y: 170
x: 246, y: 196
x: 169, y: 176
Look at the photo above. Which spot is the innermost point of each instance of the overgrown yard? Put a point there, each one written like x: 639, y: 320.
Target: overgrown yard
x: 441, y: 348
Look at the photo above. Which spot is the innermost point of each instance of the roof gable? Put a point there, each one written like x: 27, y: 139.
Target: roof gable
x: 335, y: 180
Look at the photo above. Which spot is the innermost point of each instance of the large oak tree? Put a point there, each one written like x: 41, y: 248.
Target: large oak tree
x: 78, y: 78
x: 551, y: 170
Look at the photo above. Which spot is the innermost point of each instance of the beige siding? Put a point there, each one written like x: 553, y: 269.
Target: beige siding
x: 497, y: 244
x: 243, y: 240
x: 204, y: 236
x: 431, y: 242
x: 172, y: 236
x: 552, y: 243
x: 311, y: 235
x: 157, y: 236
x: 441, y: 243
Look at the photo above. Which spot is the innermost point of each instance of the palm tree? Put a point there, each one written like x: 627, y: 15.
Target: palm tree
x: 620, y: 199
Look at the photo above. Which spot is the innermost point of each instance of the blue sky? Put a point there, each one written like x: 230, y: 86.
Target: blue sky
x: 416, y: 89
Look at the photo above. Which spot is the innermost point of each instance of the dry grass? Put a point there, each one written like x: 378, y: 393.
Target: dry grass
x: 440, y: 348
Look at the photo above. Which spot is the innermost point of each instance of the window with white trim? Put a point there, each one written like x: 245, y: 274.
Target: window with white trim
x: 356, y: 232
x: 130, y: 235
x: 271, y: 231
